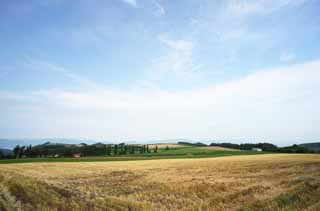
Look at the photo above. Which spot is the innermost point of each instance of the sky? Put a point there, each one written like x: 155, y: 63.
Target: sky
x: 237, y: 70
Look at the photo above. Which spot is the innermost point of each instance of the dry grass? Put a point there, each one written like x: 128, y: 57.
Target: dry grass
x: 216, y: 148
x: 262, y: 182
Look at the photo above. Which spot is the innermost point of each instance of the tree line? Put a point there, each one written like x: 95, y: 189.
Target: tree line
x: 68, y: 150
x: 265, y: 147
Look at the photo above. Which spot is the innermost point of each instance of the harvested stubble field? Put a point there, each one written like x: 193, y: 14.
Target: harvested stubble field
x: 255, y: 182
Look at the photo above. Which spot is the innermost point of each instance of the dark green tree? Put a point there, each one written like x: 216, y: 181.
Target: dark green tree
x: 67, y: 152
x: 16, y: 151
x: 28, y: 151
x: 121, y: 149
x: 44, y: 152
x: 132, y: 149
x: 156, y: 149
x: 35, y: 152
x: 125, y: 150
x: 108, y: 151
x: 115, y: 149
x: 22, y: 151
x: 84, y: 149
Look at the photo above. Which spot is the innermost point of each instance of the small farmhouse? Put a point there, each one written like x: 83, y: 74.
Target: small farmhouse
x: 76, y: 155
x: 256, y: 149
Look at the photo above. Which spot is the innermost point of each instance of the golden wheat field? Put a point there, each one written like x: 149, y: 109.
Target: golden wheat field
x: 255, y: 182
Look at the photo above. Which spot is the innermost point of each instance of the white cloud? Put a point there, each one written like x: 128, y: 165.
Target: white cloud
x: 46, y: 66
x: 159, y: 8
x: 177, y: 62
x: 261, y: 7
x: 179, y: 45
x: 132, y: 3
x: 278, y: 104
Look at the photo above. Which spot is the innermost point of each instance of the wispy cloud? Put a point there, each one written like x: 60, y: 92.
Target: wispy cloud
x: 179, y: 45
x: 132, y: 3
x: 286, y: 56
x: 177, y: 62
x: 45, y: 66
x: 267, y: 98
x: 159, y: 8
x: 261, y: 7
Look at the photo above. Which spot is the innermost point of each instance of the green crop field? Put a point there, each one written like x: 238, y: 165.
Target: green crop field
x: 172, y: 153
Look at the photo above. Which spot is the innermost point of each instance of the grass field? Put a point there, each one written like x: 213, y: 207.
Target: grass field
x: 255, y: 182
x: 176, y: 152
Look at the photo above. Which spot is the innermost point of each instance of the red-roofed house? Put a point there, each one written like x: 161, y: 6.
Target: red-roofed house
x: 76, y: 155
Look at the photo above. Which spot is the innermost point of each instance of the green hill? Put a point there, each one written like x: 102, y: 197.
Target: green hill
x: 312, y: 146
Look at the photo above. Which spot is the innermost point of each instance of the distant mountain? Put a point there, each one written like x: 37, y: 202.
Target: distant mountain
x: 11, y: 143
x: 6, y: 152
x: 167, y: 141
x: 199, y: 144
x: 312, y: 146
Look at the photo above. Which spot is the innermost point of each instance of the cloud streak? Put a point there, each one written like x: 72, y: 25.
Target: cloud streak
x: 46, y: 66
x: 262, y: 7
x: 132, y: 3
x: 258, y: 106
x: 176, y: 63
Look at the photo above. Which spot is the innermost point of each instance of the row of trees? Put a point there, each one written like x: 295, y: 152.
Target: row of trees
x: 116, y: 149
x: 248, y: 146
x: 65, y: 150
x: 265, y: 147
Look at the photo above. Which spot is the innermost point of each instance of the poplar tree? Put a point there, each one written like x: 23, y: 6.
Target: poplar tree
x: 115, y: 149
x: 16, y: 151
x: 125, y: 149
x: 108, y: 150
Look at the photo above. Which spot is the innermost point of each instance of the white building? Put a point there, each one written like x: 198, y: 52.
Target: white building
x: 256, y: 149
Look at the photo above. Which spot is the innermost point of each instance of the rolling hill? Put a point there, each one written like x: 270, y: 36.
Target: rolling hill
x: 312, y: 146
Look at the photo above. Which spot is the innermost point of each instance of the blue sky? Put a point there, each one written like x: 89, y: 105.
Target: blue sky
x: 160, y: 69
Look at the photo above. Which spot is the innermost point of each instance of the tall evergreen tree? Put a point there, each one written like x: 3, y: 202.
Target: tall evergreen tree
x: 67, y: 152
x: 22, y: 151
x: 125, y: 150
x: 108, y: 150
x: 121, y: 149
x: 28, y: 151
x: 115, y: 149
x: 132, y: 151
x: 16, y: 151
x: 84, y: 149
x: 156, y: 149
